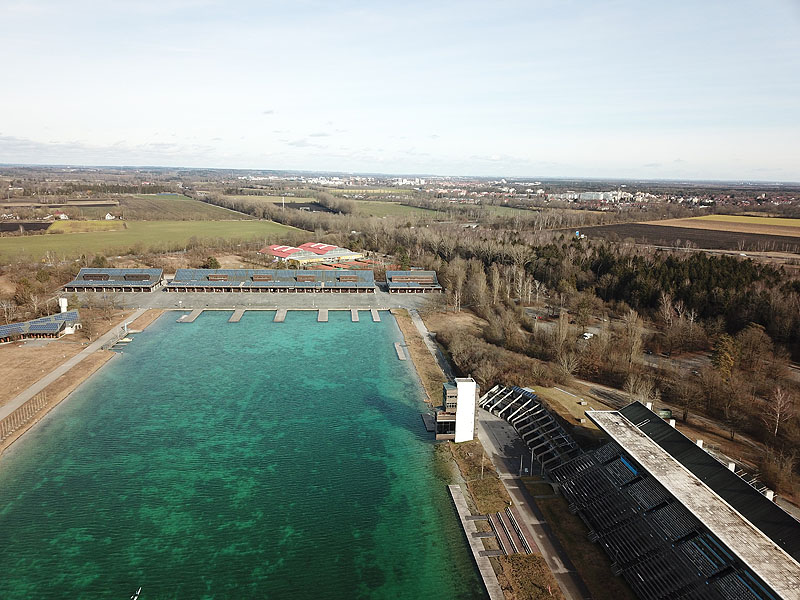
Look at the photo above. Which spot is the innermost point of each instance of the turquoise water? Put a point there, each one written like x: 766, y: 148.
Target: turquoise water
x: 236, y: 460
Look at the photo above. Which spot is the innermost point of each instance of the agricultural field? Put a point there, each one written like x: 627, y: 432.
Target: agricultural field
x: 738, y: 224
x: 163, y: 207
x: 377, y: 208
x: 138, y: 236
x: 695, y: 237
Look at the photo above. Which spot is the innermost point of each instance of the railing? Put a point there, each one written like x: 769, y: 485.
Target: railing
x: 22, y: 416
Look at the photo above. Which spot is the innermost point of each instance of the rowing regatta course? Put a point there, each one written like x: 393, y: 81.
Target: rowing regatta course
x: 247, y: 459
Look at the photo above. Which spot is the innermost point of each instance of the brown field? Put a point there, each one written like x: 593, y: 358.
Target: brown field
x: 23, y: 364
x: 765, y: 226
x: 675, y: 236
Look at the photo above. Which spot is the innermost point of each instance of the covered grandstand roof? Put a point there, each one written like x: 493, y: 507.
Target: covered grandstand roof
x: 116, y: 277
x: 776, y: 523
x: 272, y: 278
x: 50, y: 324
x: 754, y: 548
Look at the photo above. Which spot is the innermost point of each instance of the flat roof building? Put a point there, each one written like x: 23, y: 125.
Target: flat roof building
x: 412, y: 282
x: 273, y: 281
x: 311, y: 252
x: 676, y: 522
x: 115, y: 280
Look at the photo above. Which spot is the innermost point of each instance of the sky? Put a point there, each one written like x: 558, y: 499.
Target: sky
x: 535, y: 88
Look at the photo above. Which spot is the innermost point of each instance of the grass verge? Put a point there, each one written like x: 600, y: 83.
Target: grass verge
x: 429, y: 372
x: 592, y: 564
x: 527, y: 577
x: 487, y: 491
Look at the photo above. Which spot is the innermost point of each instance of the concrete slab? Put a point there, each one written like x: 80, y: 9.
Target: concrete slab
x: 354, y: 315
x: 322, y: 315
x: 191, y: 316
x: 280, y: 316
x: 376, y: 317
x: 237, y: 315
x: 401, y: 354
x: 484, y: 566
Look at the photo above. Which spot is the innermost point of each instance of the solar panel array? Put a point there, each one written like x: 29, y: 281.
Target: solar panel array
x: 271, y: 278
x: 660, y: 548
x: 549, y: 442
x: 116, y: 278
x: 51, y: 324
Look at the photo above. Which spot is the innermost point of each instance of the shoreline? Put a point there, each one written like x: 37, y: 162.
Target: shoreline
x: 66, y: 384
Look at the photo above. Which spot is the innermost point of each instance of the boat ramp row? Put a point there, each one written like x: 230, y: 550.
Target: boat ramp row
x: 280, y: 315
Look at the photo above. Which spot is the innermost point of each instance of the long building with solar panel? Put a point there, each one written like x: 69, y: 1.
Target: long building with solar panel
x: 273, y: 281
x: 115, y: 280
x: 677, y: 523
x: 53, y: 326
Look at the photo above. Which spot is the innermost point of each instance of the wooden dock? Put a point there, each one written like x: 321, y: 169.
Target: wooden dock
x: 191, y: 316
x: 354, y: 315
x: 493, y: 588
x: 237, y: 315
x: 400, y: 352
x: 376, y: 317
x: 322, y: 315
x: 280, y: 316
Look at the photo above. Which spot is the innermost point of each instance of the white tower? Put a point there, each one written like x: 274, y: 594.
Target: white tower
x: 465, y: 408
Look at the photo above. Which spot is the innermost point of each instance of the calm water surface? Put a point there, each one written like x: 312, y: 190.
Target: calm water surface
x: 236, y: 460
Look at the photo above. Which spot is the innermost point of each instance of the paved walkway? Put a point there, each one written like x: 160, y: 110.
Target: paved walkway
x: 508, y: 452
x: 37, y: 387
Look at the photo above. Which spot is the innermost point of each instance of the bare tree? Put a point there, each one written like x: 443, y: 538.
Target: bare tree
x: 778, y: 410
x: 9, y: 310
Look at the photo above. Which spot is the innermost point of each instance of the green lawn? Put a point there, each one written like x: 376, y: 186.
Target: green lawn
x: 137, y: 235
x: 163, y: 207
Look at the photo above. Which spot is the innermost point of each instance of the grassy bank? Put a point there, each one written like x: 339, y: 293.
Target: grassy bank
x: 429, y: 372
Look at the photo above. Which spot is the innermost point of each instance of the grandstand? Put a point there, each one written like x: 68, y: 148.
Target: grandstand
x: 273, y: 281
x: 115, y: 280
x: 676, y: 523
x: 412, y: 282
x: 311, y: 252
x: 53, y: 326
x: 549, y: 443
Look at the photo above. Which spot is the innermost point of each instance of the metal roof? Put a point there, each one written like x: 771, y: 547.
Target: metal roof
x: 280, y: 278
x: 390, y: 275
x: 774, y: 565
x: 116, y: 277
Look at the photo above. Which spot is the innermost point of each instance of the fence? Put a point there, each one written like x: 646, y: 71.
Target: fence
x: 22, y: 416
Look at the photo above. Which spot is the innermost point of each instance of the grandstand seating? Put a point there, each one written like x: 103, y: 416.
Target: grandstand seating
x: 661, y: 549
x: 548, y: 441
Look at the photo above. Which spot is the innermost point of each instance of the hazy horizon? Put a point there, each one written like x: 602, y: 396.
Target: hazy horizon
x: 580, y: 90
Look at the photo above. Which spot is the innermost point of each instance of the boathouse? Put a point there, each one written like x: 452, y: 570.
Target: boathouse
x: 273, y: 281
x: 412, y: 282
x: 115, y: 280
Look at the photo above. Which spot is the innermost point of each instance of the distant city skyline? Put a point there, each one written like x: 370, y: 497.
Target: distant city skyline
x: 539, y: 88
